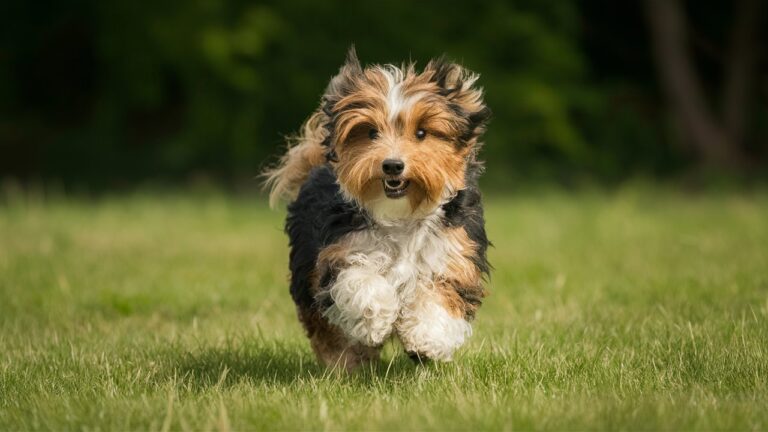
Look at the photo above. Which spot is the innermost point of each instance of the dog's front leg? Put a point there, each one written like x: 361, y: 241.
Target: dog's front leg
x: 432, y: 324
x: 359, y: 300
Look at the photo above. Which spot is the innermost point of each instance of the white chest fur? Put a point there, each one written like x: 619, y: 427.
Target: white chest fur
x: 386, y: 285
x: 404, y: 254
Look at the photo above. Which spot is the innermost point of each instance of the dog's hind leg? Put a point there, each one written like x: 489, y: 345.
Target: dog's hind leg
x: 332, y: 348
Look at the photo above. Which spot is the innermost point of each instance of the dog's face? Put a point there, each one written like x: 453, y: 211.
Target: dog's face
x: 400, y: 141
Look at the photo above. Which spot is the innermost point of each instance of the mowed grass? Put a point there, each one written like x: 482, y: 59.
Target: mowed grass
x: 635, y: 309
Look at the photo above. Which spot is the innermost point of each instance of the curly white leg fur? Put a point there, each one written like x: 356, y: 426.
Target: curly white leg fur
x: 427, y: 329
x: 365, y: 305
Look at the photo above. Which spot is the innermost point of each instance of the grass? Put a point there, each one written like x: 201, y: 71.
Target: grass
x: 639, y: 309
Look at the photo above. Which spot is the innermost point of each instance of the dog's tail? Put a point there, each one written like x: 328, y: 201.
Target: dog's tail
x: 305, y: 151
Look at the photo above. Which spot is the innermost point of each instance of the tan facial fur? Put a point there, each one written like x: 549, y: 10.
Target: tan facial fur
x: 396, y: 103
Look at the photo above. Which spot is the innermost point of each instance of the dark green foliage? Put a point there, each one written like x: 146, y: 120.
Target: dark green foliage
x: 123, y: 91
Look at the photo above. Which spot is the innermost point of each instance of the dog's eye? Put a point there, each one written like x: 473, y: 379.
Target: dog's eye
x: 421, y: 134
x: 373, y: 133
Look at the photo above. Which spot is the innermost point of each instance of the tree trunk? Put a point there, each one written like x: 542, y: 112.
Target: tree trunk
x: 740, y: 72
x: 682, y: 87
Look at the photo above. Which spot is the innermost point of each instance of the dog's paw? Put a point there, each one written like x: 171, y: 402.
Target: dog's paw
x: 429, y: 330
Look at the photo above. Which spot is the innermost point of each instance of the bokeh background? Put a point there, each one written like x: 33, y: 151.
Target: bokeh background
x: 97, y: 95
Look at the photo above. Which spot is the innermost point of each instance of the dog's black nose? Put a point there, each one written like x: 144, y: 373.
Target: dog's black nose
x: 392, y: 166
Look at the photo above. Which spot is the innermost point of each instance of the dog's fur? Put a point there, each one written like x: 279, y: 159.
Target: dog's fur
x: 374, y: 253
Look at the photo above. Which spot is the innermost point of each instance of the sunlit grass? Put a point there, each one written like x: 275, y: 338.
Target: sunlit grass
x: 638, y: 309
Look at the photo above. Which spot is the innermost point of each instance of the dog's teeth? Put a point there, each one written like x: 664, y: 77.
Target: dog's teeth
x: 393, y: 184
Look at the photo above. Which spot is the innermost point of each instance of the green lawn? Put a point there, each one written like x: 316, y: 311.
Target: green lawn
x: 638, y: 309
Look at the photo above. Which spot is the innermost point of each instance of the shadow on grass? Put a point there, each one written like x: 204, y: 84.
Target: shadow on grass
x: 261, y: 362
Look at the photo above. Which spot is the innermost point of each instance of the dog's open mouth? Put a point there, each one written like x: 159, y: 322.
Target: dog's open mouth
x: 395, y: 188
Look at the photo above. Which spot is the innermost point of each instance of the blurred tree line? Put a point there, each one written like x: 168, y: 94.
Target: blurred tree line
x: 110, y: 93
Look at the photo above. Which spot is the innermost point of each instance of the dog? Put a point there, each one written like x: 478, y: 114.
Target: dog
x: 385, y: 221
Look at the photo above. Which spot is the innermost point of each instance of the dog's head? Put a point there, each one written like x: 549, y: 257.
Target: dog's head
x: 401, y: 141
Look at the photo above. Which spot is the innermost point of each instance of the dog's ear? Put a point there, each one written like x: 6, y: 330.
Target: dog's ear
x: 465, y: 98
x: 343, y: 83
